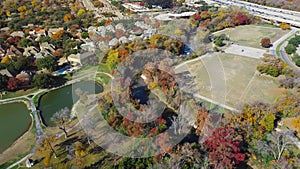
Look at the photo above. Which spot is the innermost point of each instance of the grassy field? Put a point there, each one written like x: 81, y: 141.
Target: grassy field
x: 241, y: 85
x: 19, y: 93
x: 251, y: 35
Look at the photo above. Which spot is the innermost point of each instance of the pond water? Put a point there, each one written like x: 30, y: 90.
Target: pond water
x: 14, y: 121
x: 57, y: 99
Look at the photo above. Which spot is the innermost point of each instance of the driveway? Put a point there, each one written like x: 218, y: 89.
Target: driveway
x: 245, y: 51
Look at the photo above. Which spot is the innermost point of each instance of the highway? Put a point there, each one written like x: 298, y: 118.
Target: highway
x: 268, y: 13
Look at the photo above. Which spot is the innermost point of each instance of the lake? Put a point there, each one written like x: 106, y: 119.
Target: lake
x: 14, y: 121
x: 55, y: 100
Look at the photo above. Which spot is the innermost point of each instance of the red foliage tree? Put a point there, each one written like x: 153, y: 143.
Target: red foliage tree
x: 108, y: 22
x: 123, y: 53
x: 241, y: 19
x: 265, y: 42
x: 223, y: 148
x: 14, y: 40
x: 197, y: 17
x: 12, y: 83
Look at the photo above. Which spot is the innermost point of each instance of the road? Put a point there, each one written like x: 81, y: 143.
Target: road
x: 269, y: 13
x: 276, y: 43
x: 286, y: 59
x: 282, y: 54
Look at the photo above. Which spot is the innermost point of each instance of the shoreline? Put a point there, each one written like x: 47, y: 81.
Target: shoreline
x: 10, y: 152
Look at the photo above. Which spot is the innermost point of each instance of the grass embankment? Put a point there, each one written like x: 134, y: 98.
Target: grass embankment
x: 281, y: 43
x: 19, y: 93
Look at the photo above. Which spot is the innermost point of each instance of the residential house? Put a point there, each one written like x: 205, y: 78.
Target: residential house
x: 14, y: 51
x: 18, y: 33
x: 6, y: 72
x: 81, y: 59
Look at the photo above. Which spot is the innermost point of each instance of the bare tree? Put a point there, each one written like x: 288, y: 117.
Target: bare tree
x: 61, y: 118
x: 276, y: 143
x: 179, y: 124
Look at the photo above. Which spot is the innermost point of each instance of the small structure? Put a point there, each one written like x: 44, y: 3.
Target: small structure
x: 81, y: 59
x: 18, y: 33
x: 6, y: 72
x: 29, y: 163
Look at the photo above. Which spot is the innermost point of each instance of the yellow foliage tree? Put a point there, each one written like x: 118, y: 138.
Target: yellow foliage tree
x: 8, y: 13
x: 6, y: 59
x: 112, y: 58
x: 68, y: 17
x: 33, y: 3
x: 285, y: 26
x: 80, y: 12
x: 22, y: 8
x: 296, y: 123
x: 268, y: 122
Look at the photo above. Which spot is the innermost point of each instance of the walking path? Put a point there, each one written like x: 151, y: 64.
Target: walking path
x: 245, y: 51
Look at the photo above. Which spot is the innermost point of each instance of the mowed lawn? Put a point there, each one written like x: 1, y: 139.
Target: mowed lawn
x: 240, y: 85
x: 250, y: 35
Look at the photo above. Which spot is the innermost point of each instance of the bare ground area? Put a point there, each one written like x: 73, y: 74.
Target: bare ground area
x: 242, y: 83
x: 250, y: 35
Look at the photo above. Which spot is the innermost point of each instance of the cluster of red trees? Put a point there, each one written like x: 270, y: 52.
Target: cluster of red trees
x: 220, y: 19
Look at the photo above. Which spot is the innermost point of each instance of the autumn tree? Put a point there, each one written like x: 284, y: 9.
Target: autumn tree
x: 46, y: 149
x: 265, y: 42
x: 223, y: 147
x: 268, y: 122
x: 112, y: 58
x: 201, y: 117
x: 12, y: 83
x: 68, y: 17
x: 81, y: 12
x: 61, y: 119
x: 296, y: 123
x: 285, y: 26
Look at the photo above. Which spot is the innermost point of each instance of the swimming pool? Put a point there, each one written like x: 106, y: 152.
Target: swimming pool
x: 61, y: 71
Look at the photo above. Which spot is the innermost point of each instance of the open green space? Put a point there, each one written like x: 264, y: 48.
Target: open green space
x: 242, y: 84
x: 250, y: 35
x: 19, y: 93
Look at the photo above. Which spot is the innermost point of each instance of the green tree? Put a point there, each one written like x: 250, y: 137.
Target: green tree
x: 296, y: 59
x: 47, y: 62
x: 290, y: 49
x: 219, y: 42
x: 84, y: 35
x: 3, y: 81
x: 44, y: 80
x: 25, y: 42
